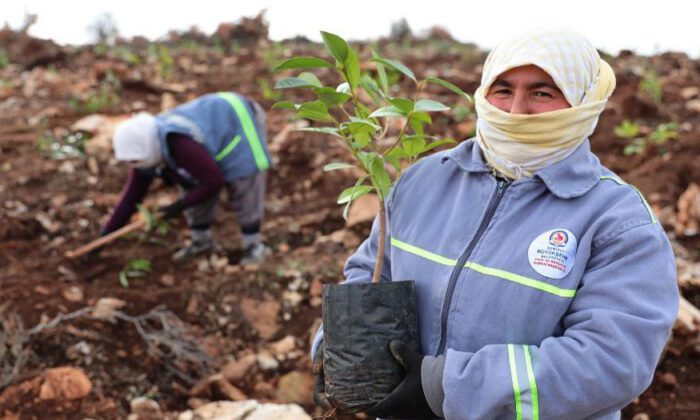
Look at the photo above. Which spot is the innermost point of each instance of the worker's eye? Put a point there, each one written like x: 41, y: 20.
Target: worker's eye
x: 542, y: 95
x: 501, y: 92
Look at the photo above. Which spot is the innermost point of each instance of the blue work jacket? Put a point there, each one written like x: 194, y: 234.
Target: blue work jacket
x: 550, y: 297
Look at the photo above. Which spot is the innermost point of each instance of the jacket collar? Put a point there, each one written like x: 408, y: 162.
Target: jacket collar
x: 572, y: 177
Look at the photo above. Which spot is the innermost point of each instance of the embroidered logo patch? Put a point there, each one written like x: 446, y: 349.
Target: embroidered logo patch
x: 552, y: 254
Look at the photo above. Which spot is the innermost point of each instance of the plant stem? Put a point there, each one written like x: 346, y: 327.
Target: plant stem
x: 408, y: 121
x: 379, y: 263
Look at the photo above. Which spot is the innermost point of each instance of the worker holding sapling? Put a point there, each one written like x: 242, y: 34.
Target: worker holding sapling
x: 213, y: 142
x: 546, y: 286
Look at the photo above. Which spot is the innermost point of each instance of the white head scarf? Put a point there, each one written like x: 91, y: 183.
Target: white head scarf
x: 136, y: 139
x: 517, y: 145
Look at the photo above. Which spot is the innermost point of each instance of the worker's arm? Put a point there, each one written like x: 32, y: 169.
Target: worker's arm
x: 615, y: 331
x: 133, y: 194
x: 196, y: 160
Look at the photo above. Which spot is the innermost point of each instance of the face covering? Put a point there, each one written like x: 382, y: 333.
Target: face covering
x: 136, y: 139
x: 517, y: 145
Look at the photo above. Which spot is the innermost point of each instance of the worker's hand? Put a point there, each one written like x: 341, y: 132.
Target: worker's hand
x: 320, y: 397
x: 407, y: 400
x: 172, y: 210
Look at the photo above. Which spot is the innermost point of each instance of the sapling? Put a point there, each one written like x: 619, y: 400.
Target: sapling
x: 135, y: 268
x: 357, y: 112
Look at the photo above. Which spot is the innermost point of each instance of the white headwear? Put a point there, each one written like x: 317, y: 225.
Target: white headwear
x: 136, y: 139
x: 517, y: 145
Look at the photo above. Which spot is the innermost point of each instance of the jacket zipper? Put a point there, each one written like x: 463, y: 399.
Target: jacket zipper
x: 500, y: 189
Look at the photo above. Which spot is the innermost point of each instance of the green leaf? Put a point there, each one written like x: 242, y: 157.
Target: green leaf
x: 134, y: 273
x: 387, y: 111
x: 331, y: 131
x: 315, y: 111
x: 352, y: 69
x: 394, y: 158
x: 140, y: 264
x: 380, y: 177
x: 433, y: 145
x: 382, y: 75
x: 163, y: 228
x: 429, y: 105
x: 284, y: 105
x: 337, y: 165
x: 450, y: 86
x: 418, y: 120
x: 123, y: 280
x: 336, y: 46
x: 423, y: 117
x: 303, y: 63
x: 361, y: 122
x: 361, y: 110
x: 413, y: 145
x: 353, y: 192
x: 367, y: 158
x: 627, y: 129
x: 361, y: 140
x: 330, y: 97
x: 311, y: 78
x: 405, y: 105
x: 372, y: 89
x: 295, y: 82
x: 344, y: 88
x: 147, y: 215
x: 396, y: 65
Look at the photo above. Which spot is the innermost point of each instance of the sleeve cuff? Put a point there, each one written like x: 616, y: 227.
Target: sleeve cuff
x: 432, y: 369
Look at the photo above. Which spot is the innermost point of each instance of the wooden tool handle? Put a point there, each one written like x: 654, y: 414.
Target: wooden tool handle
x: 106, y: 239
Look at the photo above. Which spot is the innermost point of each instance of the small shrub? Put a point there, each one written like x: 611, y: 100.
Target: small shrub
x: 652, y: 86
x: 106, y: 96
x: 125, y: 54
x: 135, y: 268
x: 165, y: 60
x: 4, y: 59
x: 627, y: 129
x: 638, y: 144
x: 63, y: 146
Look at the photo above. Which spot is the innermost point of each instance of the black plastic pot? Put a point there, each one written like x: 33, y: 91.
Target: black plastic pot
x: 359, y: 321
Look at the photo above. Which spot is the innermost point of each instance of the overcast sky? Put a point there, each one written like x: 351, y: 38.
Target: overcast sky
x: 646, y: 27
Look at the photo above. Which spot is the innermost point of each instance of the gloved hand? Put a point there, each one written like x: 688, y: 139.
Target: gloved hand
x: 172, y: 210
x: 407, y: 400
x: 320, y: 397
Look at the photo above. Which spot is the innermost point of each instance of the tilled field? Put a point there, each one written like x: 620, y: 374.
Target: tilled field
x: 208, y: 330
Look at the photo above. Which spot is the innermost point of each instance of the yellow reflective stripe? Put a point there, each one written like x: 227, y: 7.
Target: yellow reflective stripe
x: 423, y: 253
x: 494, y: 272
x: 229, y: 148
x: 533, y: 384
x: 248, y: 128
x: 516, y: 385
x: 525, y: 281
x: 639, y: 193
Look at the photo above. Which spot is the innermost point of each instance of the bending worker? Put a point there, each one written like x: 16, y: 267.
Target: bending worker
x: 546, y: 287
x: 215, y: 141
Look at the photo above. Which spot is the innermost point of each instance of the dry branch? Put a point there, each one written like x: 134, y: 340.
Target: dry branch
x: 165, y: 335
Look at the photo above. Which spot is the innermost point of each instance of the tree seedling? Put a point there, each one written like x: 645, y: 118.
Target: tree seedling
x: 638, y: 144
x: 64, y: 145
x: 153, y: 222
x: 652, y: 86
x: 357, y: 112
x: 135, y: 268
